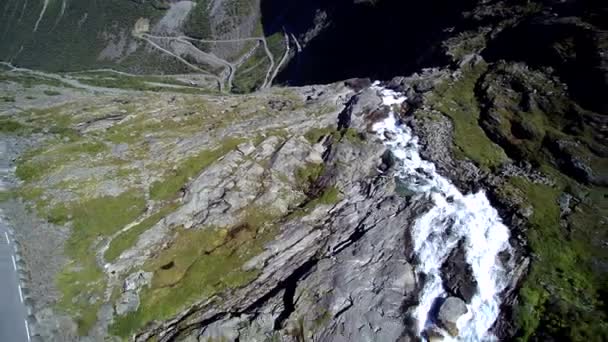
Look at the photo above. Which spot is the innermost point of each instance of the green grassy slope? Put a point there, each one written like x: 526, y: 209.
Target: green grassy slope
x: 68, y: 41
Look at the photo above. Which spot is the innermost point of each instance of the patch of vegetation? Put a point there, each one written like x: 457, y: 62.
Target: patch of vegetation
x: 12, y: 126
x: 6, y: 195
x: 307, y: 175
x: 315, y: 134
x: 329, y: 196
x: 353, y: 136
x: 528, y: 113
x: 561, y: 295
x: 197, y: 24
x: 55, y: 120
x: 251, y: 74
x: 128, y: 238
x: 276, y: 45
x: 82, y: 282
x: 457, y: 100
x: 197, y: 265
x: 177, y: 178
x: 37, y: 163
x: 142, y: 83
x: 193, y: 119
x: 322, y: 319
x: 30, y: 80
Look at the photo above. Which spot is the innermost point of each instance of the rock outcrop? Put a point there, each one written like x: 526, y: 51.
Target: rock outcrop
x: 449, y: 313
x: 458, y: 276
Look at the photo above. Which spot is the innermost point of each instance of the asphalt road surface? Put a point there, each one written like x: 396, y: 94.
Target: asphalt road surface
x: 13, y: 324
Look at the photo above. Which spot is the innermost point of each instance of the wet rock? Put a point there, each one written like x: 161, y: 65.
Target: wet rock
x: 505, y: 326
x: 389, y: 135
x: 367, y: 101
x: 449, y: 312
x: 564, y: 204
x: 457, y: 274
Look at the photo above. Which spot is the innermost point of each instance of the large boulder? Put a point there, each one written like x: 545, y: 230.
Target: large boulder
x: 458, y: 276
x: 449, y: 312
x: 128, y: 302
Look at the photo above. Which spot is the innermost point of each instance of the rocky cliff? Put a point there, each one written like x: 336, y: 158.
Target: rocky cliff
x: 173, y: 213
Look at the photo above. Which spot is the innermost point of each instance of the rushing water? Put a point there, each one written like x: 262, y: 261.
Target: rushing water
x: 436, y: 233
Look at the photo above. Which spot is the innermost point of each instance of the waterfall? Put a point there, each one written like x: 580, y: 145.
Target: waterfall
x: 454, y: 217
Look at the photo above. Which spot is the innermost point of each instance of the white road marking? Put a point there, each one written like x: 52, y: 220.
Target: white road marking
x: 6, y: 236
x: 14, y: 263
x: 20, y: 293
x: 27, y: 330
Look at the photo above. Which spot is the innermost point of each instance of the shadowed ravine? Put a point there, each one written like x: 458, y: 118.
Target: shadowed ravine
x: 363, y: 39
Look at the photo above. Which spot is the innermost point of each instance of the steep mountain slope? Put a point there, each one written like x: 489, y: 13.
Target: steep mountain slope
x: 222, y: 39
x: 155, y: 208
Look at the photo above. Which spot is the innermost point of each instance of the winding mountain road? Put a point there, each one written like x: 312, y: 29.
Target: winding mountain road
x: 281, y: 62
x: 231, y: 68
x: 13, y: 316
x: 14, y: 326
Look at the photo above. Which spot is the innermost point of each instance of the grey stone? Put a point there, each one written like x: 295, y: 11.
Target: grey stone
x: 449, y: 312
x: 137, y: 280
x: 457, y: 274
x: 246, y: 148
x: 128, y: 302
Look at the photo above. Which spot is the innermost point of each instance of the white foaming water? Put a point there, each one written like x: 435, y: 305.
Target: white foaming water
x: 453, y: 217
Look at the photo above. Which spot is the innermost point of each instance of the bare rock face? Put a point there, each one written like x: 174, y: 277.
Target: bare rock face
x: 128, y: 302
x: 340, y: 271
x: 129, y: 299
x: 449, y: 312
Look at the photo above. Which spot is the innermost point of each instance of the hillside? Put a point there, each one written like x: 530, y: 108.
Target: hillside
x: 230, y: 170
x: 223, y: 40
